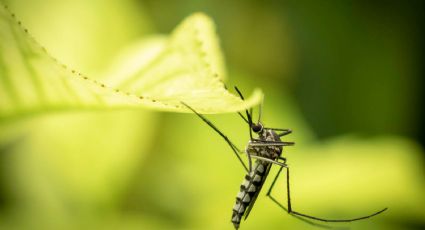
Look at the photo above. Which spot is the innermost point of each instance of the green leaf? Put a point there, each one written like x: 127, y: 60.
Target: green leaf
x: 161, y: 73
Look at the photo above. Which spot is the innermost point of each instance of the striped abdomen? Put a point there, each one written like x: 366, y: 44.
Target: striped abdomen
x: 249, y: 190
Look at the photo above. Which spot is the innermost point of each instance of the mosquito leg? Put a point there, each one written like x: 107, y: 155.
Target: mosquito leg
x: 292, y: 212
x: 273, y: 183
x: 249, y: 160
x: 284, y: 208
x: 270, y: 161
x: 240, y: 114
x: 235, y: 149
x: 248, y: 114
x: 270, y: 143
x: 284, y: 131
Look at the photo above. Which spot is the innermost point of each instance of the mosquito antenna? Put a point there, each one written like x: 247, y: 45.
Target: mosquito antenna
x: 247, y: 113
x: 260, y: 111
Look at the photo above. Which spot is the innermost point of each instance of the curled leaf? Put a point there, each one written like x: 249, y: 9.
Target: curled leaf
x: 185, y: 66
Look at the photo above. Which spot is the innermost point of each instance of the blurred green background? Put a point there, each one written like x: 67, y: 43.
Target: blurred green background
x: 346, y: 76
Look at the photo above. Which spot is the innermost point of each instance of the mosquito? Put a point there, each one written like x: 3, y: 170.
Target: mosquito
x: 266, y: 149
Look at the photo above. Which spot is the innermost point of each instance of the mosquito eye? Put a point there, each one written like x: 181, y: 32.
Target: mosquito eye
x: 257, y: 128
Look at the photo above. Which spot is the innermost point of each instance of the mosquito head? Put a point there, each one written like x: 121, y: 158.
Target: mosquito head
x: 257, y: 128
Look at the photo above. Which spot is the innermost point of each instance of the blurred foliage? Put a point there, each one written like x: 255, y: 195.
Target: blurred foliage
x: 344, y: 75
